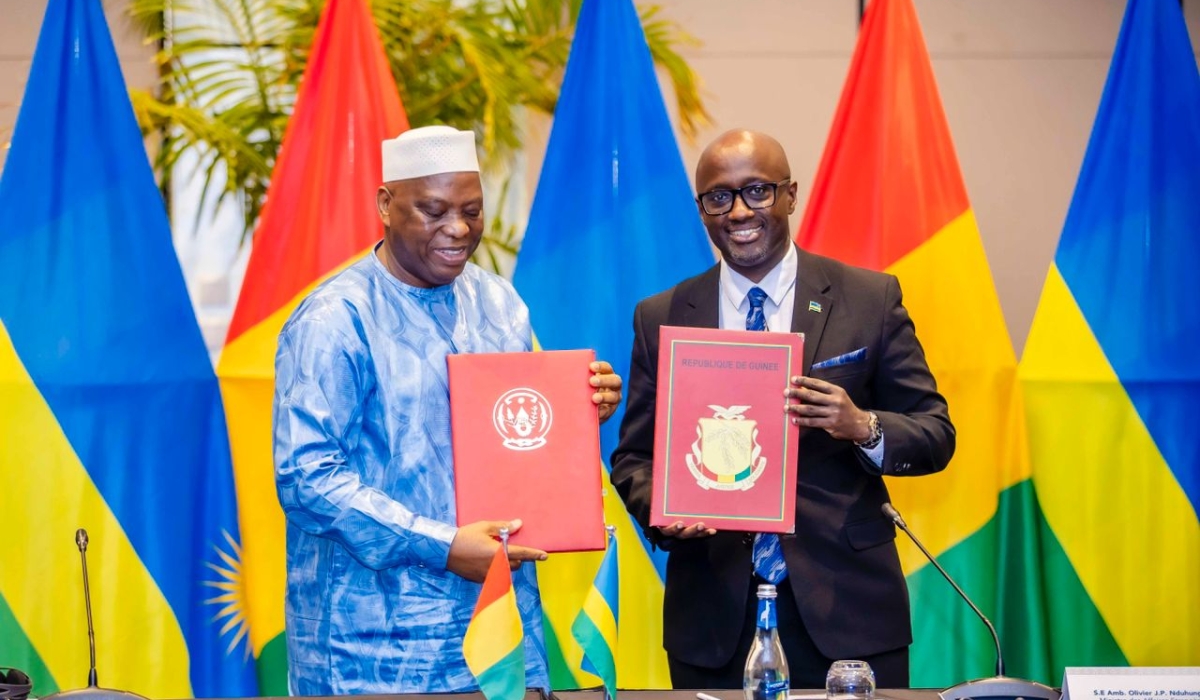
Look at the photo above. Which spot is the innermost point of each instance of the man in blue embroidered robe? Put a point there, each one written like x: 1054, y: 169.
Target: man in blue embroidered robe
x: 381, y: 584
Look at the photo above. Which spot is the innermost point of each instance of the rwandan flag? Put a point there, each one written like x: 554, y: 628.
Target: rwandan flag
x: 889, y: 195
x: 110, y: 414
x: 613, y: 222
x: 1110, y: 373
x: 319, y: 218
x: 596, y: 627
x: 494, y: 646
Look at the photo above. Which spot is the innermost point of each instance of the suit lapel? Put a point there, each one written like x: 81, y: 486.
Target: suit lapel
x: 698, y: 305
x: 812, y: 285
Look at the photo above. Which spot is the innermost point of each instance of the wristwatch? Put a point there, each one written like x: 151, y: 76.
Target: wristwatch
x: 876, y: 436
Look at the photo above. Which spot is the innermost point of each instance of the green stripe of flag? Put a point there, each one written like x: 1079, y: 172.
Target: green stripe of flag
x: 1040, y: 632
x: 504, y: 680
x: 598, y: 655
x: 17, y: 651
x: 272, y: 668
x: 561, y: 676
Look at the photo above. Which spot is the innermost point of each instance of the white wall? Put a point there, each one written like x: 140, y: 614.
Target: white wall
x: 20, y: 22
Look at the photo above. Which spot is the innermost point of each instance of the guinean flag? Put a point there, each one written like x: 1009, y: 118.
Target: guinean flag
x: 319, y: 218
x: 494, y: 645
x: 889, y: 196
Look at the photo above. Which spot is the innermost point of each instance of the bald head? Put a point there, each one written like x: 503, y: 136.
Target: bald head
x: 745, y: 196
x: 752, y: 147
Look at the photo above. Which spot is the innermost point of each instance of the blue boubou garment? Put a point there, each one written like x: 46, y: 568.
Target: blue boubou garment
x: 364, y: 471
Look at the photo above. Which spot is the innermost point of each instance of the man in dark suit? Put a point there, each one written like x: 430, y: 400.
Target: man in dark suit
x: 869, y: 407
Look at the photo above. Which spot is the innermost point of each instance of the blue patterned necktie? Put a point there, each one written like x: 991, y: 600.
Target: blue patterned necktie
x: 767, y: 553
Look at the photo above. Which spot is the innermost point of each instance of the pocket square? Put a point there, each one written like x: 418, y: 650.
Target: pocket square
x: 849, y: 358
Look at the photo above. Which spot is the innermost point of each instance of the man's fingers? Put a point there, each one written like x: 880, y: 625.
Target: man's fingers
x: 697, y: 530
x: 811, y: 410
x: 822, y: 422
x: 675, y: 529
x: 605, y: 381
x: 809, y: 396
x: 606, y: 384
x: 494, y: 526
x: 680, y: 531
x: 818, y: 385
x: 520, y: 554
x: 607, y: 395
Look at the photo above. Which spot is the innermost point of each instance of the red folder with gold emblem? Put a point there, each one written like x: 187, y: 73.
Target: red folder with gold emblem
x: 724, y: 449
x: 526, y: 443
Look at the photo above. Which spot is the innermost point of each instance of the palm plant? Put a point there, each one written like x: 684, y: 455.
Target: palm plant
x: 230, y: 71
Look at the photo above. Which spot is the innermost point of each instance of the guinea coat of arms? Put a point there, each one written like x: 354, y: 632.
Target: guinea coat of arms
x: 726, y: 455
x: 522, y: 417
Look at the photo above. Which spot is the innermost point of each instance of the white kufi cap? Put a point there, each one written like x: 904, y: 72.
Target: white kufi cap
x: 429, y: 150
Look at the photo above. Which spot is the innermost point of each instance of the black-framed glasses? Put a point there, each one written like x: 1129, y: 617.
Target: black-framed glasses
x: 757, y: 195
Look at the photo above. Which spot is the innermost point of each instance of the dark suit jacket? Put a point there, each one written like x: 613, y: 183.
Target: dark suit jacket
x: 842, y: 561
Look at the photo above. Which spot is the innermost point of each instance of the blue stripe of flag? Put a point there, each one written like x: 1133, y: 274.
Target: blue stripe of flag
x: 613, y: 218
x: 1131, y: 241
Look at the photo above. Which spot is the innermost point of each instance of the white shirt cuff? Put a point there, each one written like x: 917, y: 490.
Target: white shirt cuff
x: 875, y: 454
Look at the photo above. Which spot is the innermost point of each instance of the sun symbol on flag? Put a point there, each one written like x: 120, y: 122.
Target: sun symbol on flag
x: 232, y: 596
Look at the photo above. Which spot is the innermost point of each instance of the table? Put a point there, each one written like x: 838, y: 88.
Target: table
x: 798, y: 694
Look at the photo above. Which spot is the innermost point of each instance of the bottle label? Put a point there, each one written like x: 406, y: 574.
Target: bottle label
x: 766, y: 613
x: 773, y: 687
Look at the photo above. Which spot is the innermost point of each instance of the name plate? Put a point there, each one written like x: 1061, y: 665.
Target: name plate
x: 1131, y: 683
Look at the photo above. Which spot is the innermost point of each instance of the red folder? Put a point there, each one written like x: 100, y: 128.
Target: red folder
x: 526, y: 442
x: 724, y: 449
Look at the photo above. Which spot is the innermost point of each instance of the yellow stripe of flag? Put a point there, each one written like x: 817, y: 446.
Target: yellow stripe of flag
x: 493, y: 633
x: 247, y: 378
x: 1113, y: 486
x: 42, y: 508
x: 601, y: 616
x: 948, y: 291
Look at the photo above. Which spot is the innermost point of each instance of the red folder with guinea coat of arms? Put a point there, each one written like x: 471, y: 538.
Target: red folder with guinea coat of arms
x: 724, y: 448
x: 526, y: 443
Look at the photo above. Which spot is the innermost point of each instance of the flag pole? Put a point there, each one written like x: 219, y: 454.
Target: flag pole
x: 609, y: 542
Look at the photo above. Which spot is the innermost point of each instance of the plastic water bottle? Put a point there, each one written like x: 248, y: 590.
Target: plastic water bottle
x: 766, y: 676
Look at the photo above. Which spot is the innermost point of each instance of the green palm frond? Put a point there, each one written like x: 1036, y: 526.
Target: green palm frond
x: 221, y: 93
x: 230, y: 70
x: 663, y: 37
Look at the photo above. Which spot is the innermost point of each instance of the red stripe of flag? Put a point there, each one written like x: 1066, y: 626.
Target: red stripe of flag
x: 497, y: 583
x: 320, y: 210
x: 889, y: 179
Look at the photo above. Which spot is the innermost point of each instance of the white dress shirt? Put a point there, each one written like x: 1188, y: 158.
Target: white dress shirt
x: 780, y: 285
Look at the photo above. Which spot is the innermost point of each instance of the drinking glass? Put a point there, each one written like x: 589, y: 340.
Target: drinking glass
x: 850, y: 680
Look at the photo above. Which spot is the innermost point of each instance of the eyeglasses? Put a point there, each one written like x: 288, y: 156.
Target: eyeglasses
x: 758, y: 195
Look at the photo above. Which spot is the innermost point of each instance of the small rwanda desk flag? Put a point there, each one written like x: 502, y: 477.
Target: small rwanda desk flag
x: 596, y: 626
x: 494, y: 646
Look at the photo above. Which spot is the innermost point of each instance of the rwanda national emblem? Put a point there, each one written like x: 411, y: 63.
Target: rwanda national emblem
x: 726, y: 453
x: 522, y: 417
